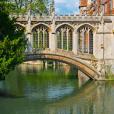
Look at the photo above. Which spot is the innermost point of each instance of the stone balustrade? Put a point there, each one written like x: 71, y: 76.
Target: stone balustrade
x: 74, y: 18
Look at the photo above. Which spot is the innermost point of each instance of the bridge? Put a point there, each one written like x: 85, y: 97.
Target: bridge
x: 79, y: 61
x: 84, y: 41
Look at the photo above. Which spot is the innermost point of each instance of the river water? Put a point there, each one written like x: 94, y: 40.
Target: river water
x: 32, y: 90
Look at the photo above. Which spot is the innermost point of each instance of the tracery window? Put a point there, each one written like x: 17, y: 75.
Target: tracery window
x: 64, y: 37
x: 85, y: 40
x: 40, y: 37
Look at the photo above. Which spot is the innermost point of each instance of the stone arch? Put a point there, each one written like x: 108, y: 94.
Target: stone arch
x: 85, y: 24
x: 40, y: 35
x: 21, y: 25
x: 85, y: 38
x: 80, y: 64
x: 64, y: 24
x: 35, y: 25
x: 64, y: 35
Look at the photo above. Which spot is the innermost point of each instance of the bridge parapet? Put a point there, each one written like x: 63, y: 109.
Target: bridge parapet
x: 41, y: 18
x: 83, y: 56
x: 67, y: 18
x: 78, y: 18
x: 67, y: 57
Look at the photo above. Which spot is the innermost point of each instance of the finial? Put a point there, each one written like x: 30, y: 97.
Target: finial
x: 52, y: 7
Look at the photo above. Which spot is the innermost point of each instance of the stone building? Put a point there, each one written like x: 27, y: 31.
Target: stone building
x: 87, y: 36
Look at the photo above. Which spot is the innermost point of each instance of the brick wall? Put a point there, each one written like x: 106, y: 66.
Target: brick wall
x: 83, y: 3
x: 98, y: 2
x: 108, y: 7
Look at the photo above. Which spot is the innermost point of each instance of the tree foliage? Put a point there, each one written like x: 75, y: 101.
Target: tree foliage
x: 22, y: 6
x: 12, y: 42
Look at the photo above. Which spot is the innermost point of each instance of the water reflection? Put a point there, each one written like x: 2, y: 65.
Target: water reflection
x: 53, y: 92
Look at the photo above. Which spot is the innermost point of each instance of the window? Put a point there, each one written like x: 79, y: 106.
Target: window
x: 64, y: 37
x: 85, y: 39
x: 40, y: 37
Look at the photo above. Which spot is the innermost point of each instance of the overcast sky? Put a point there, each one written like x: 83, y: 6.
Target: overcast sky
x: 67, y: 6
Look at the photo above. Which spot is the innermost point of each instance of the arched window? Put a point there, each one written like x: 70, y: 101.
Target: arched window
x: 85, y: 40
x: 64, y: 37
x: 40, y: 37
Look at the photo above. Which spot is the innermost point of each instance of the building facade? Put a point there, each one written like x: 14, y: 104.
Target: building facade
x: 97, y: 7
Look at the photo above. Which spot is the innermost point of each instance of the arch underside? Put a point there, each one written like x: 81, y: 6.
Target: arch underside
x: 87, y: 69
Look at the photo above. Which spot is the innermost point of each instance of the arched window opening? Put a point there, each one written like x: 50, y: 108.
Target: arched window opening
x: 85, y: 40
x: 64, y: 37
x: 40, y: 37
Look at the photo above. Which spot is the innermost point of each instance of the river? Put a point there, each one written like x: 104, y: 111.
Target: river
x: 34, y: 90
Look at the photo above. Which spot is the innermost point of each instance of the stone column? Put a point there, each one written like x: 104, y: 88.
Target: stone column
x: 28, y: 34
x: 53, y: 39
x: 29, y: 42
x: 75, y: 42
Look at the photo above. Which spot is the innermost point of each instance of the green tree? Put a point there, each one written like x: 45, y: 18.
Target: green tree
x: 12, y: 41
x: 23, y: 6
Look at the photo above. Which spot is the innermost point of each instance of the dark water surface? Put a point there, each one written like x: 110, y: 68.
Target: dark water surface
x: 28, y: 91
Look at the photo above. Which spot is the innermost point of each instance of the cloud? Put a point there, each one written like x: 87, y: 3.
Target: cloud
x: 67, y: 6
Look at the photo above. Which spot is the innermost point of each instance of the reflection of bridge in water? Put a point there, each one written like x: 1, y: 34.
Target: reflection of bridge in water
x: 90, y: 99
x: 87, y: 100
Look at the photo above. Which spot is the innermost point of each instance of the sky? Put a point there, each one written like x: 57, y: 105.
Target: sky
x: 63, y: 7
